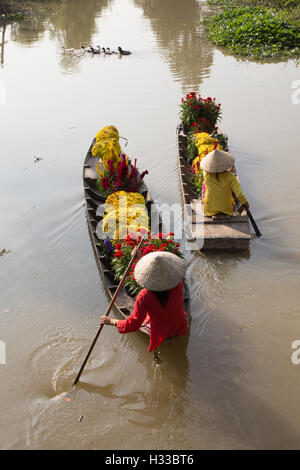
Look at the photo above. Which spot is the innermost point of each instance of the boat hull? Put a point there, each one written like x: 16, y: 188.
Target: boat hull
x: 94, y: 212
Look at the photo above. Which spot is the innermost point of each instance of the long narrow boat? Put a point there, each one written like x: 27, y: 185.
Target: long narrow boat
x: 93, y: 198
x: 229, y: 233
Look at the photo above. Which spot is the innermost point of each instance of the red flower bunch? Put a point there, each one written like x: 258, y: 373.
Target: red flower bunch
x: 125, y: 178
x: 105, y: 183
x: 123, y: 252
x: 199, y: 114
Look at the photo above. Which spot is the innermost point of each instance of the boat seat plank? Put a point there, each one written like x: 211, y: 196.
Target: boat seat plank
x: 209, y: 220
x: 124, y: 301
x: 239, y: 230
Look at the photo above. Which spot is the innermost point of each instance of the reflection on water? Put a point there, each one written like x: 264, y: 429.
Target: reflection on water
x: 181, y: 39
x: 69, y: 22
x: 76, y: 29
x: 72, y: 22
x: 2, y: 44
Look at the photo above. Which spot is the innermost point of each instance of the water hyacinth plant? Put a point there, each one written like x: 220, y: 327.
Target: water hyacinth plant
x: 258, y: 32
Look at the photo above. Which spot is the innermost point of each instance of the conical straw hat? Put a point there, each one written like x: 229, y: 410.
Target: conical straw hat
x: 217, y: 161
x: 159, y: 271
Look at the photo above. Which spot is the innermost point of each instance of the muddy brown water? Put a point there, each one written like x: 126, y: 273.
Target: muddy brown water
x: 231, y: 382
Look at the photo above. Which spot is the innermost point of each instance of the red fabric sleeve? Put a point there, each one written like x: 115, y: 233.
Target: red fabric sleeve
x: 181, y: 291
x: 135, y: 320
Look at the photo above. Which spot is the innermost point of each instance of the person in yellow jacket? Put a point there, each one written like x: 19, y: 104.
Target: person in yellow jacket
x: 220, y: 183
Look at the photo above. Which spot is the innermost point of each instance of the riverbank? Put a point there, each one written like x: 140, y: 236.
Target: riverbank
x: 261, y: 30
x: 14, y: 10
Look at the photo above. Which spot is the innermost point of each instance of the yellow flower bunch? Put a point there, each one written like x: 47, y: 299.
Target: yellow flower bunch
x: 119, y: 221
x: 99, y: 171
x: 117, y: 225
x: 204, y: 149
x: 107, y: 133
x: 107, y: 150
x: 129, y: 198
x: 203, y: 138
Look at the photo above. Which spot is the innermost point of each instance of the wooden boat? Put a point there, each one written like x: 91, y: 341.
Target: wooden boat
x: 220, y: 234
x: 93, y: 198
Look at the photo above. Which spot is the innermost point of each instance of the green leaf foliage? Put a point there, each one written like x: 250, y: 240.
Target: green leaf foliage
x: 255, y: 31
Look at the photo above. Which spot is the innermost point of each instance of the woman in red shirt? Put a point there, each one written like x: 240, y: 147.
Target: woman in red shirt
x: 159, y: 305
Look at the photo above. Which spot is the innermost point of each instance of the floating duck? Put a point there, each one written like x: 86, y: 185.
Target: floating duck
x: 84, y: 49
x: 81, y: 50
x: 121, y: 52
x: 67, y: 50
x: 96, y: 51
x: 107, y: 51
x: 89, y: 49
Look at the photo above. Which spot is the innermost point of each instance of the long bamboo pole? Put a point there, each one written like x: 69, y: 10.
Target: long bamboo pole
x: 106, y: 314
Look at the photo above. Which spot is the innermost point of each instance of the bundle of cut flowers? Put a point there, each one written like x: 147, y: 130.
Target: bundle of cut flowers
x: 205, y: 144
x: 107, y: 146
x: 124, y: 213
x: 107, y: 150
x: 114, y: 168
x: 125, y: 176
x: 107, y: 133
x: 199, y: 114
x: 123, y: 250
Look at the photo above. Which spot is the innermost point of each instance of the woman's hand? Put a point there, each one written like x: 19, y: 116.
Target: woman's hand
x: 136, y: 253
x: 108, y: 321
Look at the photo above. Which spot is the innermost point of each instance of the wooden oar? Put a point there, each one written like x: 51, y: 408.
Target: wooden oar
x: 106, y: 314
x: 256, y: 229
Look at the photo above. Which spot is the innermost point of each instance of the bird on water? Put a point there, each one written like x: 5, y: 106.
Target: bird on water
x: 122, y: 52
x: 96, y: 51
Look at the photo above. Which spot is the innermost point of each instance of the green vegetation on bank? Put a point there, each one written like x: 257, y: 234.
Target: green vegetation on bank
x: 13, y: 10
x: 268, y: 29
